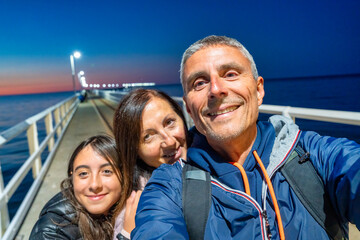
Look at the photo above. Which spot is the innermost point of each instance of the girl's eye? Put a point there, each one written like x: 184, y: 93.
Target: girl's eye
x: 107, y: 171
x: 83, y: 174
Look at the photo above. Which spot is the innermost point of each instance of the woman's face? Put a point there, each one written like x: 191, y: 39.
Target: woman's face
x: 96, y: 185
x: 162, y: 138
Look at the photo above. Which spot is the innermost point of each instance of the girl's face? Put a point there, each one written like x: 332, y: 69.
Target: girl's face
x: 162, y: 138
x: 96, y: 185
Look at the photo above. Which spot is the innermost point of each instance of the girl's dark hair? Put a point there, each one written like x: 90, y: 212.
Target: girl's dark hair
x: 127, y: 129
x: 90, y: 226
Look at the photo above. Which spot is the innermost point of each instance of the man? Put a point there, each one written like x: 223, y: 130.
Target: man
x: 223, y: 92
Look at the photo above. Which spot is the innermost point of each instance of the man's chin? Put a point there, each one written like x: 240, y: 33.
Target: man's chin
x: 221, y: 135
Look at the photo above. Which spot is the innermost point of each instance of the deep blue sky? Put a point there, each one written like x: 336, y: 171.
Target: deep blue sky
x: 136, y: 41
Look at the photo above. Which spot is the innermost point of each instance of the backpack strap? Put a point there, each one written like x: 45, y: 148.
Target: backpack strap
x: 196, y: 200
x: 309, y: 188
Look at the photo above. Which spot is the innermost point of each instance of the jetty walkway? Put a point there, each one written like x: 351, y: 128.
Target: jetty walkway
x: 92, y: 117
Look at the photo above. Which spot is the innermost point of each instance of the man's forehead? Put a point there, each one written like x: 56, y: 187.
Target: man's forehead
x: 212, y: 50
x: 214, y: 55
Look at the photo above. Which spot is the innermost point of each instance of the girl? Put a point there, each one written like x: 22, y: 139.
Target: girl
x: 90, y: 197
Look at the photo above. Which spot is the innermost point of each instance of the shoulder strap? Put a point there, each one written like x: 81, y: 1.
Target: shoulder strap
x: 309, y: 188
x: 196, y: 200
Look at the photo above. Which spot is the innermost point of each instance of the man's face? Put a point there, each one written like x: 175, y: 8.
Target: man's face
x: 221, y: 94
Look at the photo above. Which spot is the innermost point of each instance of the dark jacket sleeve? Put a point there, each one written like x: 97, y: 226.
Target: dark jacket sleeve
x: 159, y: 213
x: 337, y: 161
x: 55, y: 221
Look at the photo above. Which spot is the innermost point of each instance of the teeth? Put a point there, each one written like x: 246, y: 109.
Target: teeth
x: 230, y: 109
x: 170, y: 155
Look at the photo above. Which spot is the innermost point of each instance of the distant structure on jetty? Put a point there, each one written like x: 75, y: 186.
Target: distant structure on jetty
x: 128, y: 85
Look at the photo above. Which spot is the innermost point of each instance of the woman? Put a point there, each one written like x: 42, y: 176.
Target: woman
x: 150, y: 130
x: 90, y: 197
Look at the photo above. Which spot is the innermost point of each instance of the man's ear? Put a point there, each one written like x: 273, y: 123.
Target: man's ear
x: 187, y: 108
x: 260, y: 90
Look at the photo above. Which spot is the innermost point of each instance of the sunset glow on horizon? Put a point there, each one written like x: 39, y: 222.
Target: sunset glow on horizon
x: 121, y: 42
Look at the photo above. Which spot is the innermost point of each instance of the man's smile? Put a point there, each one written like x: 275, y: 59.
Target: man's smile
x: 223, y: 111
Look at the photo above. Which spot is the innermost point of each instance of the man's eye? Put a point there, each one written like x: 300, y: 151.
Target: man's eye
x: 231, y: 74
x: 200, y: 84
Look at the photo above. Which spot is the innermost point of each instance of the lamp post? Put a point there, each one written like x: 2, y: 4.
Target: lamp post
x: 82, y: 79
x: 72, y: 63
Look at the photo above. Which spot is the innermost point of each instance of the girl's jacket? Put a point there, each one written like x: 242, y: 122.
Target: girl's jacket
x: 236, y: 215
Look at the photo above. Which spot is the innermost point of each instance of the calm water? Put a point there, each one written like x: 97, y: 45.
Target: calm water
x: 336, y: 93
x: 15, y: 109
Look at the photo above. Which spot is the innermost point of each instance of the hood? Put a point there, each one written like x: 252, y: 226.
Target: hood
x: 204, y: 156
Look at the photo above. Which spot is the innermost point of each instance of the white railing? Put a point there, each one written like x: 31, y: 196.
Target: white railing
x: 345, y: 117
x: 62, y: 113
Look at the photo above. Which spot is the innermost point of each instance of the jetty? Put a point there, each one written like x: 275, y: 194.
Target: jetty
x: 70, y: 122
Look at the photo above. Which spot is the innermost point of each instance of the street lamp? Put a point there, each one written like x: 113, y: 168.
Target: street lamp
x: 72, y: 63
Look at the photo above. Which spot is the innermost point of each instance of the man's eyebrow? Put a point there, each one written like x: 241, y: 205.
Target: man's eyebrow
x: 194, y: 76
x: 231, y: 65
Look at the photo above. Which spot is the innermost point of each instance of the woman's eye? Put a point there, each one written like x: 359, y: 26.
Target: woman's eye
x: 170, y: 122
x: 147, y: 137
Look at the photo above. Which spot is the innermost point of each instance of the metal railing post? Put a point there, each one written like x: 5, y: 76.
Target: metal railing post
x: 33, y: 142
x: 62, y: 114
x: 57, y: 120
x: 4, y: 212
x: 49, y: 128
x: 67, y: 107
x: 286, y: 113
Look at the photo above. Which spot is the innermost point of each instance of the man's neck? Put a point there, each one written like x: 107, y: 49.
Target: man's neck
x: 236, y: 150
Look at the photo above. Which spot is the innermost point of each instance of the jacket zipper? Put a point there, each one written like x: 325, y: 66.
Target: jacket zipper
x: 265, y: 224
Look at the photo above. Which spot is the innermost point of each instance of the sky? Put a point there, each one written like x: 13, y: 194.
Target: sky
x: 143, y: 41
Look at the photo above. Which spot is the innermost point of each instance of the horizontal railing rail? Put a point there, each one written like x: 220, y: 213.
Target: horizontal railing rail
x: 344, y: 117
x: 63, y: 113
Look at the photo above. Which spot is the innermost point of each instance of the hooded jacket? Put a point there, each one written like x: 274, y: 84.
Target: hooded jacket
x: 237, y: 215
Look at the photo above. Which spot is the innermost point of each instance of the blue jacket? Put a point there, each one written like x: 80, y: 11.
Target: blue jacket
x: 236, y: 215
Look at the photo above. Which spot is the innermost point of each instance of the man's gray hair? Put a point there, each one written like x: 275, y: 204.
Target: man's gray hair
x: 213, y: 41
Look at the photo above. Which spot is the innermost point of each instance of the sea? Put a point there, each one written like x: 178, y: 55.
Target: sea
x: 326, y: 92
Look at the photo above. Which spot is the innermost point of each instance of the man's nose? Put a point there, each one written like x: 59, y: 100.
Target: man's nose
x: 96, y: 183
x: 217, y: 87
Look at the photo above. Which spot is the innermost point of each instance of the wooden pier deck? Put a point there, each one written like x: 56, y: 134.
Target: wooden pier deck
x: 92, y: 117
